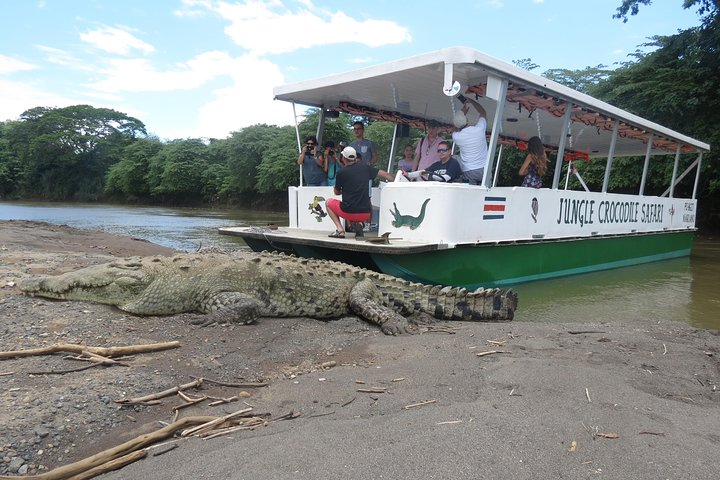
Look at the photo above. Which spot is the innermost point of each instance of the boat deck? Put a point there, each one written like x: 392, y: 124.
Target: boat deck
x: 278, y: 239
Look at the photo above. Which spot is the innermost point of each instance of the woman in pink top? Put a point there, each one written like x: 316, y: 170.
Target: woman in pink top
x: 426, y: 150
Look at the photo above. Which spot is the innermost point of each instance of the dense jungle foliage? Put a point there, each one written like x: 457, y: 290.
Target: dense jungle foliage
x: 96, y: 154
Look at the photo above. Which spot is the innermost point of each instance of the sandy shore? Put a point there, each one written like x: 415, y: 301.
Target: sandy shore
x: 603, y: 400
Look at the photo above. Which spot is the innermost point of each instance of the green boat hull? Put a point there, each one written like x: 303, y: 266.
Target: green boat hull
x: 505, y: 264
x: 510, y: 264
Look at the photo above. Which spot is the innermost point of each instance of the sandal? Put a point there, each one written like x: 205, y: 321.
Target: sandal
x: 337, y: 234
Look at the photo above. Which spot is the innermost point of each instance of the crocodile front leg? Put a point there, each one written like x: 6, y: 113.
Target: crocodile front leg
x: 366, y: 302
x: 229, y: 307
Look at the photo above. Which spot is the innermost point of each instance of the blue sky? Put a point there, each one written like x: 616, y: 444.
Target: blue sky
x: 205, y: 68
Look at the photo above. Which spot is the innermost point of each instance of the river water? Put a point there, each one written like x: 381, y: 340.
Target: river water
x: 682, y: 289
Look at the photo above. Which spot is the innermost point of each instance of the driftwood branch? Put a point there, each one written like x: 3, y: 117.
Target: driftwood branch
x: 152, y: 398
x: 213, y: 423
x: 235, y: 385
x: 114, y: 464
x: 80, y: 349
x: 116, y: 453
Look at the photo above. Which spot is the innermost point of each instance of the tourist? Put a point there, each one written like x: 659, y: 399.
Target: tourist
x: 331, y: 164
x: 447, y: 169
x: 365, y: 148
x: 311, y: 159
x: 535, y: 164
x: 353, y: 183
x: 472, y: 142
x: 426, y: 150
x: 405, y: 164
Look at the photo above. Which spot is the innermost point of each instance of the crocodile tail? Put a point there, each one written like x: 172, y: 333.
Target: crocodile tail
x: 455, y: 303
x: 445, y: 303
x: 422, y: 211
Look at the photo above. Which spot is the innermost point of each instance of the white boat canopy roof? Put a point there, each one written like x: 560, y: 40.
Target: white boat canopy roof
x: 421, y: 88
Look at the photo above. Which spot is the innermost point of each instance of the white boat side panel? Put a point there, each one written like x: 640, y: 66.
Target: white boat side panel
x: 457, y: 213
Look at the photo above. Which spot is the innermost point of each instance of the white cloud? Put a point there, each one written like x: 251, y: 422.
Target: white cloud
x: 257, y: 27
x: 247, y: 101
x: 10, y: 65
x: 61, y: 57
x: 139, y: 75
x: 193, y: 8
x: 115, y: 40
x: 16, y: 97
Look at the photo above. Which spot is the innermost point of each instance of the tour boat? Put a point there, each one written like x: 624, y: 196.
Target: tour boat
x: 493, y: 235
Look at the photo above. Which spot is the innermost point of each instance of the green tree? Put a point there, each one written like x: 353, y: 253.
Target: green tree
x: 10, y: 166
x: 278, y: 166
x: 176, y: 172
x: 676, y: 85
x: 244, y: 152
x: 66, y: 152
x: 705, y: 7
x: 128, y: 177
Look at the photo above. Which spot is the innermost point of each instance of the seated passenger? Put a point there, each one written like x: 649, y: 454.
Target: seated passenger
x: 353, y: 183
x: 447, y: 169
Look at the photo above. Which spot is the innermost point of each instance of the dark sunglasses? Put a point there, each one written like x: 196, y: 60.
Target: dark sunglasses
x: 358, y: 128
x: 442, y: 150
x: 310, y: 144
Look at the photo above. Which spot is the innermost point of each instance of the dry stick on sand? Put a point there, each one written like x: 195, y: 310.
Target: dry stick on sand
x: 212, y: 423
x: 63, y: 372
x: 372, y: 390
x: 79, y: 349
x: 115, y: 453
x: 419, y: 404
x: 235, y: 385
x: 150, y: 398
x: 489, y: 352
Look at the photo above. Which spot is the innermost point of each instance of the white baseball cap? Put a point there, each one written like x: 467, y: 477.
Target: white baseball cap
x: 349, y: 153
x: 460, y: 120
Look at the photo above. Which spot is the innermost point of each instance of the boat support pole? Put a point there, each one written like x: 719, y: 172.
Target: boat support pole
x: 392, y: 147
x: 697, y: 175
x: 321, y: 129
x: 684, y: 173
x: 611, y: 154
x: 497, y: 166
x: 646, y: 165
x: 561, y: 145
x: 674, y: 176
x: 495, y: 134
x: 297, y: 136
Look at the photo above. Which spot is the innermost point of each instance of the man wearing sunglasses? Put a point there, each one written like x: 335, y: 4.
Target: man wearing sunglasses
x: 447, y: 169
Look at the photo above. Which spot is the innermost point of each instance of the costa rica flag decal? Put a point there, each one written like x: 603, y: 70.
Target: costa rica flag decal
x: 494, y: 208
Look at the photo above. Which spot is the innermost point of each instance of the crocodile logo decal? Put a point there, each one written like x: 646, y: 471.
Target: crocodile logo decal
x: 408, y: 220
x: 317, y: 209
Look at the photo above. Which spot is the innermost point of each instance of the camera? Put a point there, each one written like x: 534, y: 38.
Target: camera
x: 331, y: 152
x: 461, y: 97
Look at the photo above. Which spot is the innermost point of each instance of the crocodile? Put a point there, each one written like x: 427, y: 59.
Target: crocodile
x: 244, y: 286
